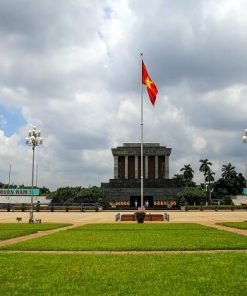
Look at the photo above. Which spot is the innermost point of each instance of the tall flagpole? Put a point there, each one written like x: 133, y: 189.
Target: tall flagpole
x: 141, y: 135
x: 9, y: 174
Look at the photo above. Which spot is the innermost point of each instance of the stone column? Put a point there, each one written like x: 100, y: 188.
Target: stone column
x: 146, y: 166
x: 156, y: 167
x: 136, y: 167
x: 126, y: 167
x: 166, y: 167
x: 115, y: 167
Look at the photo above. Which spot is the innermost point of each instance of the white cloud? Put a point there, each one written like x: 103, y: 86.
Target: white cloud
x: 199, y: 144
x: 73, y: 69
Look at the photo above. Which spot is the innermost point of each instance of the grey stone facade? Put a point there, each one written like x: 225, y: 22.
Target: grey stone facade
x: 149, y: 150
x: 125, y: 188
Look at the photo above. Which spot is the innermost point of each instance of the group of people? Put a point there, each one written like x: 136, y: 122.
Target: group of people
x: 146, y: 203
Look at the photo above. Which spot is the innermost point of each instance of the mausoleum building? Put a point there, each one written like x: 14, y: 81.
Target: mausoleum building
x: 125, y: 188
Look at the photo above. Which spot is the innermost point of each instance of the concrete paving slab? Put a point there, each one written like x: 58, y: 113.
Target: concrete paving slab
x: 80, y: 218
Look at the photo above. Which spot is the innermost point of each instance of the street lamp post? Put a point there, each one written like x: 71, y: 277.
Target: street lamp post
x: 33, y: 140
x: 244, y: 138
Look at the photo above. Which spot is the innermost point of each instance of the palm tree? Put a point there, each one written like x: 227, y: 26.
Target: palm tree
x: 179, y: 178
x: 228, y: 171
x: 205, y: 167
x: 188, y: 173
x: 209, y: 177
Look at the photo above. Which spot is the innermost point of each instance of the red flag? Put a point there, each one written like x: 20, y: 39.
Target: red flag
x: 151, y: 87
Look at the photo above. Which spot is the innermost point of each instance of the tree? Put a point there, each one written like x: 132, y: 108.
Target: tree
x: 91, y: 194
x: 192, y: 195
x: 179, y: 178
x: 241, y: 181
x: 205, y: 167
x: 230, y: 184
x: 228, y: 171
x: 188, y: 173
x: 44, y: 190
x: 77, y: 194
x: 209, y: 177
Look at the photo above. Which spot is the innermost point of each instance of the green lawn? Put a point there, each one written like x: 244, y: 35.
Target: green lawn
x: 136, y: 237
x: 134, y: 275
x: 239, y: 225
x: 11, y: 230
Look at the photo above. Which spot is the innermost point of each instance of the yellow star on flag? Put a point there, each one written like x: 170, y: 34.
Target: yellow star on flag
x: 148, y: 82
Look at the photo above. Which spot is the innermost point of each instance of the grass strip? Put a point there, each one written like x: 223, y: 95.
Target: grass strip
x: 239, y: 225
x: 11, y: 230
x: 124, y: 237
x: 106, y: 275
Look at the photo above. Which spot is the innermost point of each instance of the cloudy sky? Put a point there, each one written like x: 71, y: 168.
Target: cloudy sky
x: 72, y: 68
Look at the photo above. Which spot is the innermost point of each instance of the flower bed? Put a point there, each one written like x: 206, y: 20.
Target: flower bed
x: 148, y: 217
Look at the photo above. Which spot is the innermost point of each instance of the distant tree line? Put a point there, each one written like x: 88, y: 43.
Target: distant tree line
x: 231, y: 183
x: 77, y: 195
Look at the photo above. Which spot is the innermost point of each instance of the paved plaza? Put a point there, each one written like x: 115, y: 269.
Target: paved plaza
x: 80, y: 218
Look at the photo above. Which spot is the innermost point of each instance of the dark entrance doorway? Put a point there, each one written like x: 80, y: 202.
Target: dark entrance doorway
x: 135, y: 201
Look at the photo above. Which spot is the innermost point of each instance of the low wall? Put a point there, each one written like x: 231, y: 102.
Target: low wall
x: 19, y: 199
x: 148, y: 217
